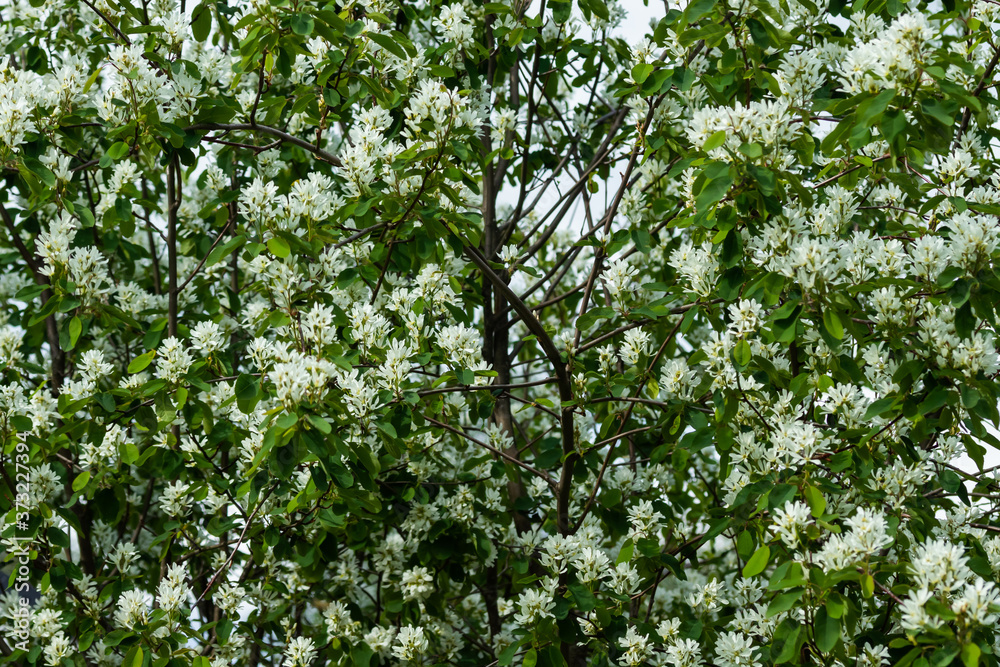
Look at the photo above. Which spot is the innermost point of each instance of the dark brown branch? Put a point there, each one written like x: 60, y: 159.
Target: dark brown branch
x: 272, y: 131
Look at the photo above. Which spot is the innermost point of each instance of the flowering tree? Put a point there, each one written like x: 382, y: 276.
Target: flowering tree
x: 474, y: 334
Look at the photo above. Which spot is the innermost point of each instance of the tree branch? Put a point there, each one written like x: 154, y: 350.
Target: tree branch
x: 272, y: 131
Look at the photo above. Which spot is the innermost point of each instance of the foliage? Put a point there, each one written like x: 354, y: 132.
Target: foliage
x: 408, y: 333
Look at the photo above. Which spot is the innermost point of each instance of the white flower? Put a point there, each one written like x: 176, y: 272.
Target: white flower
x: 637, y: 648
x: 914, y: 618
x: 461, y: 344
x: 317, y: 325
x: 172, y: 592
x: 44, y: 483
x: 410, y: 643
x: 684, y: 653
x: 300, y: 652
x: 939, y: 566
x: 59, y: 647
x: 124, y: 554
x: 509, y: 255
x: 257, y: 199
x: 206, y: 337
x: 789, y: 522
x: 380, y: 640
x: 708, y: 598
x: 591, y: 565
x: 744, y: 317
x: 229, y: 597
x: 645, y: 521
x: 338, y: 621
x: 298, y: 377
x: 173, y: 361
x: 619, y: 276
x: 624, y: 579
x: 175, y: 500
x: 396, y: 368
x: 416, y: 583
x: 977, y: 603
x: 453, y: 21
x: 677, y: 380
x: 535, y: 604
x: 636, y: 344
x: 765, y: 122
x: 132, y: 609
x: 734, y: 649
x: 868, y: 532
x: 261, y: 351
x: 502, y: 122
x: 669, y: 629
x: 93, y: 367
x: 871, y: 656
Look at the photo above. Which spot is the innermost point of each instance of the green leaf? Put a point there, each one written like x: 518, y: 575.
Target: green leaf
x: 81, y: 481
x: 507, y: 655
x: 965, y: 320
x: 752, y: 151
x: 387, y: 43
x: 970, y: 654
x: 779, y: 495
x: 892, y: 124
x: 589, y: 318
x: 713, y: 191
x: 827, y: 630
x: 75, y: 327
x: 741, y: 353
x: 224, y: 250
x: 784, y: 602
x: 322, y: 425
x: 641, y: 72
x: 140, y: 363
x: 817, y: 503
x: 869, y: 110
x: 716, y: 140
x: 286, y: 421
x: 625, y: 555
x: 696, y: 9
x: 354, y: 28
x: 764, y: 177
x: 867, y: 586
x: 133, y: 658
x: 21, y: 423
x: 129, y: 453
x: 247, y: 391
x: 278, y: 247
x: 597, y: 7
x: 785, y: 645
x: 836, y: 605
x: 118, y: 150
x: 302, y: 24
x: 43, y: 173
x: 879, y: 406
x: 757, y: 562
x: 201, y: 22
x: 944, y: 655
x: 387, y: 428
x: 585, y: 600
x: 832, y: 323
